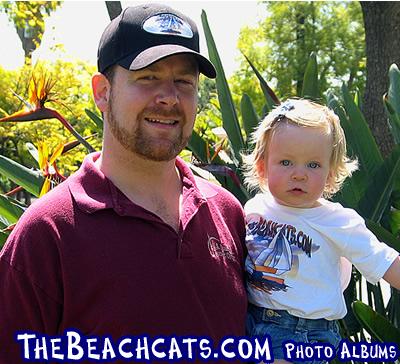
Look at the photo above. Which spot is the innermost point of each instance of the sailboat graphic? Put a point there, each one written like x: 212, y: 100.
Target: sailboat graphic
x: 272, y: 262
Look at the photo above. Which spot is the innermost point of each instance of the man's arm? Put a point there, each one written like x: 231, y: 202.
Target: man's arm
x: 392, y: 275
x: 24, y: 306
x: 31, y: 295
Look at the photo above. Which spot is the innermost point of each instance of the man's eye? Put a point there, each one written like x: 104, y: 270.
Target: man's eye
x: 147, y: 78
x: 313, y: 165
x: 185, y: 81
x: 285, y: 163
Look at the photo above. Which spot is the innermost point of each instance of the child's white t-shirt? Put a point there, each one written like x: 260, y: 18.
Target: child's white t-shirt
x: 295, y: 260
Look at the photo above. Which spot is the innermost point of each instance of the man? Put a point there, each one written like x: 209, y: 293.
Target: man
x: 133, y: 243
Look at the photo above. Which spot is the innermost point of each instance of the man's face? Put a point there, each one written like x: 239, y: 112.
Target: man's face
x: 152, y: 111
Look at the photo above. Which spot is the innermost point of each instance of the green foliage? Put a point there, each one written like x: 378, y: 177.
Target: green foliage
x: 28, y: 18
x: 249, y: 117
x: 29, y: 150
x: 310, y: 86
x: 392, y: 102
x: 29, y: 13
x: 280, y: 46
x: 10, y: 210
x: 29, y: 179
x: 73, y: 96
x: 377, y: 325
x: 374, y: 190
x: 225, y: 98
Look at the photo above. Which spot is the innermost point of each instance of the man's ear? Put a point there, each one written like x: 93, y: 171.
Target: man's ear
x: 101, y: 88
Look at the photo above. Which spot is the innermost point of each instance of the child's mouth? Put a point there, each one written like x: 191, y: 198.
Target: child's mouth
x: 297, y: 191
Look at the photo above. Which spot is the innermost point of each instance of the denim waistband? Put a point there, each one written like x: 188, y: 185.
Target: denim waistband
x: 268, y: 315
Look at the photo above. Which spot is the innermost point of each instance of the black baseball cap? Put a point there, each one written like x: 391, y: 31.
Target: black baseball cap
x: 144, y: 34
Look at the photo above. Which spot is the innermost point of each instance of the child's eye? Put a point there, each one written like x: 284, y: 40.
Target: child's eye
x: 285, y: 162
x: 314, y: 165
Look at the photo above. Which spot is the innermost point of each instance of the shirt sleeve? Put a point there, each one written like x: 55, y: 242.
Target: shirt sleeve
x: 29, y: 299
x: 24, y: 307
x: 370, y: 256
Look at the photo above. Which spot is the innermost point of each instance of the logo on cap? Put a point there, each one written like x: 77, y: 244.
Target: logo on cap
x: 168, y: 24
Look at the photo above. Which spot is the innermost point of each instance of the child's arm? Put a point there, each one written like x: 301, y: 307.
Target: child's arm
x: 392, y: 275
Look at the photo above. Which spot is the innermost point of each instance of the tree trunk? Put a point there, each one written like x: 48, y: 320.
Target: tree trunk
x: 28, y: 43
x: 382, y: 37
x: 114, y: 8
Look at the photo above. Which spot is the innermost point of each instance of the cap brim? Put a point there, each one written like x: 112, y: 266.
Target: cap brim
x: 156, y: 53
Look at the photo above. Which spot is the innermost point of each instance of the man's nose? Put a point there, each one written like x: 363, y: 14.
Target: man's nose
x: 167, y: 93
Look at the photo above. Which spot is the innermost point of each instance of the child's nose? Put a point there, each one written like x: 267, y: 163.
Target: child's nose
x: 299, y: 175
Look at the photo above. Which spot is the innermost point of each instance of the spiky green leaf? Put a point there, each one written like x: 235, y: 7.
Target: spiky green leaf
x: 394, y: 120
x: 270, y: 97
x: 334, y: 104
x: 249, y: 115
x: 29, y: 179
x: 10, y: 209
x: 310, y: 88
x: 380, y: 187
x: 33, y: 152
x: 95, y: 118
x: 378, y: 326
x: 383, y: 235
x: 198, y: 147
x: 394, y: 220
x: 364, y: 145
x: 3, y: 238
x: 228, y: 111
x: 354, y: 187
x: 394, y: 87
x: 352, y: 191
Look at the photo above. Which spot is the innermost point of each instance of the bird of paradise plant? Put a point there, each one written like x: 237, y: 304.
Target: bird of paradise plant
x: 49, y: 176
x: 47, y: 165
x: 40, y: 92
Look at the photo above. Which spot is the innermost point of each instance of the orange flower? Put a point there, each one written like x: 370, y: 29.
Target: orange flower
x: 48, y: 167
x: 40, y: 92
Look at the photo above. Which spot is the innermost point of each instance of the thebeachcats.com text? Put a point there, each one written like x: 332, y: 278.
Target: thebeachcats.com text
x: 74, y: 346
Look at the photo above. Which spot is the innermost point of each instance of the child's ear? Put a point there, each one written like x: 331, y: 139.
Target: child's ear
x: 261, y: 170
x: 330, y: 181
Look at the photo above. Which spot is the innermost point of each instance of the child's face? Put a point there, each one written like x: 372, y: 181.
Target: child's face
x: 297, y: 165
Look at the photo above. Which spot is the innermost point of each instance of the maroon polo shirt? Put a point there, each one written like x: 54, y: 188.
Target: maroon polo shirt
x: 86, y: 257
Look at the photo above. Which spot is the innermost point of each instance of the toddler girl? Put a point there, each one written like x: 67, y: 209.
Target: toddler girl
x: 299, y: 243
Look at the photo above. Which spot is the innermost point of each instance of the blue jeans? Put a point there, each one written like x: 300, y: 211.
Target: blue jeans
x: 281, y: 326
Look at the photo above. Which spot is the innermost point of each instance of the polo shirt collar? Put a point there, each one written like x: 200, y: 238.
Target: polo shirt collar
x: 93, y: 191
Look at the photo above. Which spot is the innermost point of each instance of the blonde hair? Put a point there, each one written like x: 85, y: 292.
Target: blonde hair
x: 303, y: 113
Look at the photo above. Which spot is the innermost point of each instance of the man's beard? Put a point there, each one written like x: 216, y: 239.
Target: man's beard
x: 140, y: 143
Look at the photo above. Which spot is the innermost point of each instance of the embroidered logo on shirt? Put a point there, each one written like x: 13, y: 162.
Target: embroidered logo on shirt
x: 217, y: 249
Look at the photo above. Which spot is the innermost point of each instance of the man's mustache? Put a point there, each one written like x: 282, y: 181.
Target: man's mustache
x: 172, y: 113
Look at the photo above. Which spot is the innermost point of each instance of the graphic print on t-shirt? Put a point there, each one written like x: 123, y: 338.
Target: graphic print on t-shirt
x: 273, y: 250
